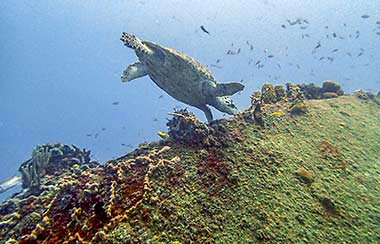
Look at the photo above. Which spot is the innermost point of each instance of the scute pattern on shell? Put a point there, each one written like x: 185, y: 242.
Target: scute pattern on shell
x: 174, y: 56
x: 179, y: 75
x: 192, y: 63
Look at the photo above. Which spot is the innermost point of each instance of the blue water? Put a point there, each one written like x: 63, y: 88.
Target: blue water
x: 61, y: 63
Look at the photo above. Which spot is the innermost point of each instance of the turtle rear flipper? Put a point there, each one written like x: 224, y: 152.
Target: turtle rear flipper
x: 224, y: 104
x: 134, y: 71
x: 207, y: 112
x: 210, y: 88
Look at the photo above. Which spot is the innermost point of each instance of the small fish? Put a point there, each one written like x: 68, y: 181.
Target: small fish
x: 360, y: 54
x: 88, y: 135
x: 283, y: 26
x: 250, y: 45
x: 163, y: 135
x: 126, y: 145
x: 335, y: 50
x: 277, y: 113
x: 161, y: 96
x: 321, y: 58
x: 303, y: 27
x: 115, y: 103
x: 318, y: 45
x: 257, y: 62
x: 334, y: 35
x: 96, y: 135
x: 298, y: 66
x: 230, y: 52
x: 270, y: 56
x: 365, y: 16
x: 238, y: 51
x: 307, y: 35
x: 331, y: 59
x: 305, y: 21
x: 349, y: 54
x: 204, y: 30
x: 297, y: 21
x: 357, y: 34
x: 278, y: 65
x: 218, y: 60
x: 216, y: 66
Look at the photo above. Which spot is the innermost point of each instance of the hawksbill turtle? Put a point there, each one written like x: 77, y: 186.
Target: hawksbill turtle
x: 180, y: 75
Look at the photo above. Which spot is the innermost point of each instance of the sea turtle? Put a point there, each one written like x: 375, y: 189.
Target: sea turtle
x: 180, y: 75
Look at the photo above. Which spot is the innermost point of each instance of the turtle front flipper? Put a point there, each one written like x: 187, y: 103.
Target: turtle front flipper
x: 135, y: 43
x: 223, y: 104
x: 133, y: 71
x: 210, y: 88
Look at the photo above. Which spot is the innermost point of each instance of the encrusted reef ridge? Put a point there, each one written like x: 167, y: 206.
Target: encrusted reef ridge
x: 301, y: 165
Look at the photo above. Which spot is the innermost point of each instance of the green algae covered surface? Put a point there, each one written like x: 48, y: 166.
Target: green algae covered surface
x: 250, y: 192
x: 308, y: 178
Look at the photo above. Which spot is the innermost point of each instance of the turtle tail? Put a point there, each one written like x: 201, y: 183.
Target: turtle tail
x: 133, y: 42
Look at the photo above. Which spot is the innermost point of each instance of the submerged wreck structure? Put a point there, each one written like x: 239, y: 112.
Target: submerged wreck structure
x: 301, y: 165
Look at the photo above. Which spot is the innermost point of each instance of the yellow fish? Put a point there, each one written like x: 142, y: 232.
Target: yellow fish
x: 277, y: 113
x: 163, y: 135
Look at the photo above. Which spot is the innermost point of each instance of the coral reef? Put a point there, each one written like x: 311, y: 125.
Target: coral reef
x: 49, y: 159
x: 263, y: 176
x: 329, y: 89
x: 332, y: 86
x: 185, y: 128
x: 268, y: 93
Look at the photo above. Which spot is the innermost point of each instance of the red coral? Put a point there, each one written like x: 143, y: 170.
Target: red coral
x: 214, y: 173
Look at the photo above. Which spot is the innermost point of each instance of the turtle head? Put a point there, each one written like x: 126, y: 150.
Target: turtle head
x: 135, y: 43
